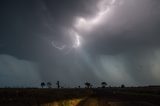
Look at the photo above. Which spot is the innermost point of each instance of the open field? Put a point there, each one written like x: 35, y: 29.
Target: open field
x: 145, y: 96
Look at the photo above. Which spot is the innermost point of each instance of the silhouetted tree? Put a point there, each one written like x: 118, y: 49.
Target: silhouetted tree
x: 43, y: 84
x: 79, y: 86
x: 49, y: 84
x: 88, y: 85
x: 104, y: 84
x: 58, y: 85
x: 122, y: 86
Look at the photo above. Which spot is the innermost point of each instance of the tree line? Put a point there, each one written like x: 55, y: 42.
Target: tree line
x: 87, y: 85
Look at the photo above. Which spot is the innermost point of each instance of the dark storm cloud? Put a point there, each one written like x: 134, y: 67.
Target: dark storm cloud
x: 64, y: 11
x: 57, y: 16
x: 124, y: 48
x: 27, y: 29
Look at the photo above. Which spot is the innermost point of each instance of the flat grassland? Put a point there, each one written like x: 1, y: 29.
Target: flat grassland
x: 140, y: 96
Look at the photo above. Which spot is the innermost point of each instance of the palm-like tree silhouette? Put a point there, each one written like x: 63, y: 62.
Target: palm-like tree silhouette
x: 104, y: 84
x: 43, y: 84
x: 87, y: 84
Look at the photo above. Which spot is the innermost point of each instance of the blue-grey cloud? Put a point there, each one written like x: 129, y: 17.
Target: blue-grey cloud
x: 18, y: 73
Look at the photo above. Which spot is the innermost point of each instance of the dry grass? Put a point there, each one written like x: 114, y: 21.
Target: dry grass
x: 79, y: 97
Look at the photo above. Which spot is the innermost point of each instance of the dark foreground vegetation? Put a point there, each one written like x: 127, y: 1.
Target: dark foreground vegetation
x: 140, y: 96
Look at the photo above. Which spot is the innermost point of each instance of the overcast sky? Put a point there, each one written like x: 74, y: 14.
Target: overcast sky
x: 74, y: 41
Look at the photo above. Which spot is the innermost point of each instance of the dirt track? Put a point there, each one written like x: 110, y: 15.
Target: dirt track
x: 105, y: 102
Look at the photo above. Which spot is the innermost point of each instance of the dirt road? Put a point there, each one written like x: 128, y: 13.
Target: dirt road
x: 105, y: 102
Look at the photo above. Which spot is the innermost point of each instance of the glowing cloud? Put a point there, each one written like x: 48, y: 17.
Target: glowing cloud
x: 76, y: 38
x: 83, y: 24
x: 58, y: 46
x: 86, y: 24
x: 77, y: 41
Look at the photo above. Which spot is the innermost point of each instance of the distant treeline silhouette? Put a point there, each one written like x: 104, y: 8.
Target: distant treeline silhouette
x: 87, y: 85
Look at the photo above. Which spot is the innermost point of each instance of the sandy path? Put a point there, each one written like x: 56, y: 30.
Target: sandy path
x: 104, y: 102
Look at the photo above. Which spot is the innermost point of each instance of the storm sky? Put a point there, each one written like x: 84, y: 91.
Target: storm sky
x: 74, y: 41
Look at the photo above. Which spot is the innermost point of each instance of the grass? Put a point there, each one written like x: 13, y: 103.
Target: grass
x: 75, y: 97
